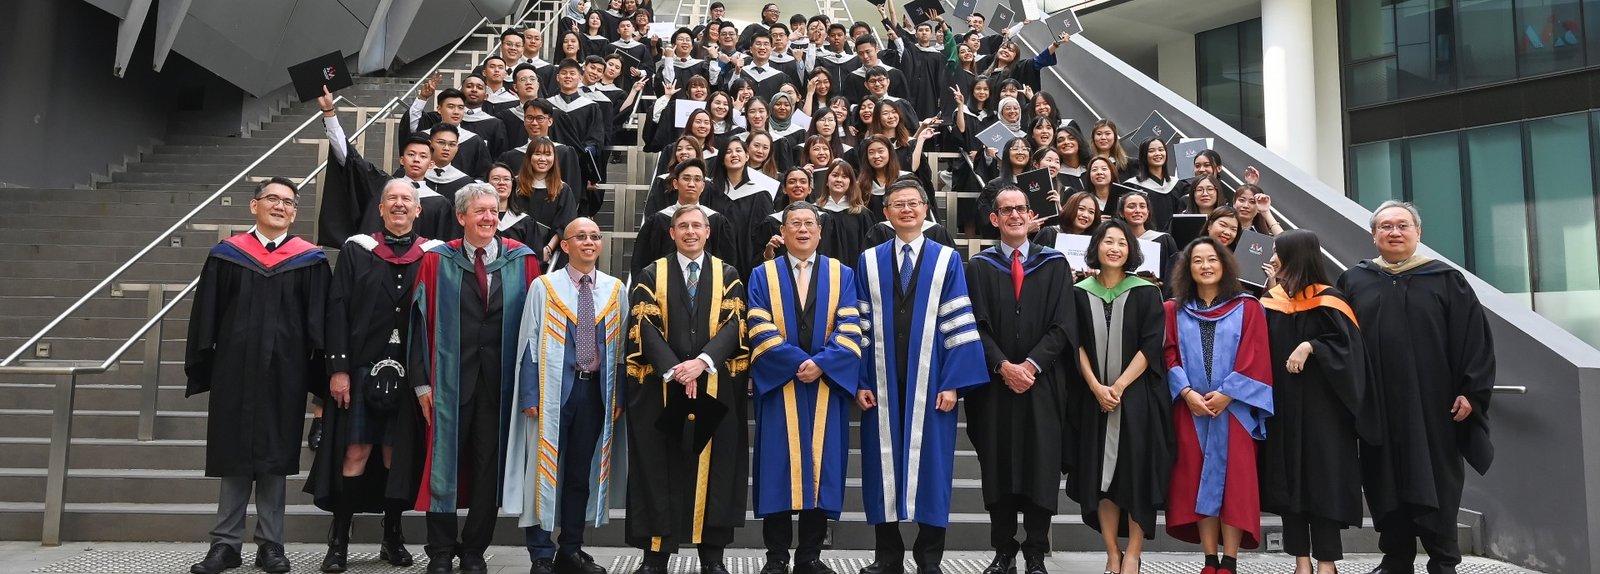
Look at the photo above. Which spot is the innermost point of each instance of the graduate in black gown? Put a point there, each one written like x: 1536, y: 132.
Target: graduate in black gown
x: 537, y: 117
x: 1018, y: 421
x: 542, y: 194
x: 680, y: 64
x: 1428, y: 341
x: 846, y: 218
x: 580, y: 122
x: 763, y: 77
x: 746, y: 196
x: 655, y: 240
x: 1323, y: 405
x: 525, y: 84
x: 855, y: 82
x: 370, y: 404
x: 515, y: 224
x: 837, y: 57
x: 926, y: 66
x: 255, y: 345
x: 354, y: 186
x: 471, y: 154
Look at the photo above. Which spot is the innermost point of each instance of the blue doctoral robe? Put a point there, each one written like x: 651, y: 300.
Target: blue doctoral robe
x: 801, y: 449
x: 910, y: 476
x: 546, y: 373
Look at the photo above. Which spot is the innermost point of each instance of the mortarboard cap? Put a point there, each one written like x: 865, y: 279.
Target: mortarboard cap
x: 705, y: 411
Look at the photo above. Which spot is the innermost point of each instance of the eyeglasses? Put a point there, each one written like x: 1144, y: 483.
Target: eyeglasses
x: 445, y: 144
x: 580, y: 237
x: 275, y: 200
x: 537, y: 119
x: 1393, y: 227
x: 801, y: 224
x: 904, y: 205
x: 1012, y: 210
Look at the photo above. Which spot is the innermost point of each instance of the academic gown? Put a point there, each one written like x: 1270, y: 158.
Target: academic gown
x: 746, y: 206
x: 844, y: 234
x: 435, y: 357
x: 511, y: 120
x: 1162, y: 199
x: 580, y: 121
x: 1021, y: 439
x: 350, y: 201
x: 1113, y: 326
x: 255, y: 341
x: 677, y: 71
x: 909, y: 475
x: 552, y: 215
x: 926, y: 69
x: 1026, y: 71
x: 677, y: 496
x: 802, y: 429
x: 545, y: 378
x: 480, y: 139
x: 654, y: 240
x: 855, y: 84
x: 936, y: 233
x: 793, y: 69
x: 1310, y: 465
x: 1214, y: 474
x: 523, y: 229
x: 765, y: 79
x: 367, y: 302
x: 641, y: 60
x: 566, y: 157
x: 1428, y: 341
x: 838, y: 65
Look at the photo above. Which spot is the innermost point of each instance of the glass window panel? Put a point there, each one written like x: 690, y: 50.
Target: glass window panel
x: 1488, y: 42
x: 1591, y: 27
x: 1549, y: 36
x: 1499, y: 207
x: 1564, y: 207
x: 1371, y: 82
x: 1368, y: 29
x: 1424, y: 46
x: 1218, y: 54
x: 1375, y: 170
x: 1252, y: 90
x: 1436, y: 189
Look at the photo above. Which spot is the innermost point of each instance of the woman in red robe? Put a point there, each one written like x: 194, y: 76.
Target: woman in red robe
x: 1220, y: 376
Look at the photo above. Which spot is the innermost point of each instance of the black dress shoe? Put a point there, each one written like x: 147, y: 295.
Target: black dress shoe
x: 1381, y: 569
x: 439, y: 563
x: 270, y: 558
x: 542, y: 566
x: 1002, y: 564
x: 314, y: 436
x: 1034, y: 565
x: 220, y: 557
x: 473, y: 564
x: 650, y: 569
x: 579, y: 562
x: 775, y: 567
x: 714, y: 568
x: 393, y: 550
x: 883, y: 568
x: 813, y: 567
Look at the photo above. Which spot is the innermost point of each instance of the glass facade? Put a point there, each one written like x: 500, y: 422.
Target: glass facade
x: 1228, y: 62
x: 1514, y: 203
x: 1395, y: 49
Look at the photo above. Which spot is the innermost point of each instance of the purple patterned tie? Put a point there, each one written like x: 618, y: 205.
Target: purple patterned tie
x: 587, y: 359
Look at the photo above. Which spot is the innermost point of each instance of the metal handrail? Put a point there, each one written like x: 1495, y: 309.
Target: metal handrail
x: 6, y: 363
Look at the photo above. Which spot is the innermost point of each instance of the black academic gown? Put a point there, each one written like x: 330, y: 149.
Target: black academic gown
x: 1163, y: 200
x: 1428, y: 341
x: 844, y: 234
x: 883, y: 231
x: 350, y: 202
x: 747, y: 207
x: 765, y: 79
x: 368, y: 302
x: 1021, y: 439
x: 255, y: 344
x: 1310, y: 464
x: 488, y: 130
x: 551, y: 216
x: 855, y: 84
x: 580, y: 121
x: 438, y: 219
x: 654, y: 241
x: 511, y: 118
x: 671, y: 501
x: 925, y: 68
x: 566, y: 157
x: 1147, y: 448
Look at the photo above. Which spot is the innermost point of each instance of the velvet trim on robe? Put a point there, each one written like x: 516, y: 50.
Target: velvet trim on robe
x: 546, y: 377
x: 435, y: 340
x: 1215, y: 473
x: 910, y: 479
x: 801, y: 440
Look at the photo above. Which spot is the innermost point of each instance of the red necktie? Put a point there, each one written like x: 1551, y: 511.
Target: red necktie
x: 1016, y: 272
x: 483, y: 277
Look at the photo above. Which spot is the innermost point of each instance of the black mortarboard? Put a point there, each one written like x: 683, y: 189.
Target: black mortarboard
x: 311, y: 75
x: 705, y: 411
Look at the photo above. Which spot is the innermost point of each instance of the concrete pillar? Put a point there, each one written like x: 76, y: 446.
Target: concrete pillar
x: 1288, y: 76
x: 1176, y: 67
x: 1329, y: 107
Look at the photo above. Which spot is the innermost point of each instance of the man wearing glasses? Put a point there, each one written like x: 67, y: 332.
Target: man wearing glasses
x: 1016, y: 420
x: 257, y: 323
x: 687, y: 449
x: 558, y: 468
x: 355, y: 186
x: 655, y: 238
x: 535, y: 116
x: 805, y: 343
x: 922, y: 351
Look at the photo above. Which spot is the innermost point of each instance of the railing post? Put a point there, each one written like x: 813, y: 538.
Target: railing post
x: 361, y: 138
x: 389, y: 142
x: 150, y: 394
x: 322, y: 158
x: 55, y: 490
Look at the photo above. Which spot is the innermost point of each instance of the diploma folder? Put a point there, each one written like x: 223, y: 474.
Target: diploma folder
x: 1064, y: 21
x: 1037, y: 185
x: 1001, y: 20
x: 326, y: 70
x: 1253, y: 250
x: 997, y: 135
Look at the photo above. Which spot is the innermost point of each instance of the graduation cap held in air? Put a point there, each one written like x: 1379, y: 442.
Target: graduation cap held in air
x: 326, y: 70
x: 705, y: 411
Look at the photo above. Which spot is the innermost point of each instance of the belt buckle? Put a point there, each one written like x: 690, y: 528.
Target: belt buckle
x: 585, y: 375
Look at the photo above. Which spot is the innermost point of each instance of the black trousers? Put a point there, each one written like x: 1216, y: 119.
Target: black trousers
x: 479, y: 445
x: 777, y: 530
x: 1314, y: 537
x: 927, y: 551
x: 1397, y: 538
x: 1003, y: 528
x: 581, y: 423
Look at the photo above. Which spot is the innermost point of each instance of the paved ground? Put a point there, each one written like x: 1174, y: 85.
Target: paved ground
x: 113, y: 558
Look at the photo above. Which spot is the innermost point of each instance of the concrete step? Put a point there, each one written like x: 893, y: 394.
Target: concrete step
x: 236, y: 214
x: 103, y: 253
x: 112, y: 522
x: 106, y: 424
x: 99, y: 397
